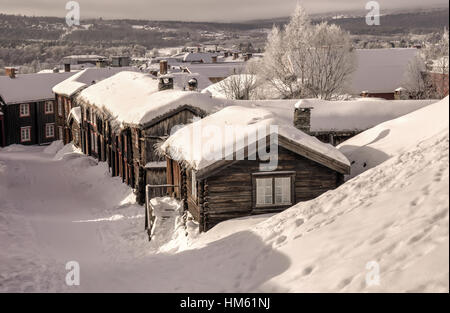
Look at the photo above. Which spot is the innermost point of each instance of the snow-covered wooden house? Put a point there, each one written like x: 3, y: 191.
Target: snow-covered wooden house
x: 124, y: 116
x: 336, y: 121
x: 28, y: 106
x: 246, y: 160
x: 67, y: 90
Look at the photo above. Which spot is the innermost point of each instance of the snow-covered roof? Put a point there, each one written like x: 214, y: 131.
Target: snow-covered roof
x: 217, y: 89
x: 134, y: 98
x: 82, y: 58
x: 204, y: 57
x: 30, y: 87
x: 358, y: 114
x: 213, y: 70
x: 75, y: 113
x: 85, y: 78
x: 380, y: 70
x: 196, y: 145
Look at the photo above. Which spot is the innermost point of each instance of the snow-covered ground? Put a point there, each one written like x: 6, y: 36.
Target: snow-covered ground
x: 392, y: 220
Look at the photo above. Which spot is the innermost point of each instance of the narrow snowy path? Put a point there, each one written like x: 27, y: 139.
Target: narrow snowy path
x: 45, y: 204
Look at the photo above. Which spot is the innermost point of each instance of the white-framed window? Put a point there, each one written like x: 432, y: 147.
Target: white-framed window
x: 48, y: 107
x: 25, y: 134
x: 282, y: 190
x: 49, y: 130
x: 60, y: 133
x: 60, y: 106
x: 193, y: 185
x: 273, y: 189
x: 24, y: 109
x: 264, y: 191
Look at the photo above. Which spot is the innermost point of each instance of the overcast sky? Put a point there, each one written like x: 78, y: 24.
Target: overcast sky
x: 196, y: 10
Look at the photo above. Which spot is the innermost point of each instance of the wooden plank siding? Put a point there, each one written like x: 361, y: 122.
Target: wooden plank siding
x: 37, y: 120
x: 230, y: 192
x: 127, y: 150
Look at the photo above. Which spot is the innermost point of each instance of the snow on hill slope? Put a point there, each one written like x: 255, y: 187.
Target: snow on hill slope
x: 395, y: 214
x: 381, y: 142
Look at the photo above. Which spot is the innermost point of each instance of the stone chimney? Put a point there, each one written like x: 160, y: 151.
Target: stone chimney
x: 66, y: 67
x: 163, y: 67
x: 214, y: 58
x: 302, y: 119
x: 11, y: 72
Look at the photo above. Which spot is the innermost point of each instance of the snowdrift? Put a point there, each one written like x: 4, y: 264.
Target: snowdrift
x: 390, y: 138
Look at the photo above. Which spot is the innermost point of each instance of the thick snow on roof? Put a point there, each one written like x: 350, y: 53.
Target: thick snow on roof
x: 393, y: 137
x: 244, y: 123
x: 217, y: 90
x: 216, y: 69
x: 380, y: 70
x: 204, y: 57
x: 30, y: 87
x: 85, y: 78
x: 133, y: 98
x: 357, y: 114
x: 75, y: 113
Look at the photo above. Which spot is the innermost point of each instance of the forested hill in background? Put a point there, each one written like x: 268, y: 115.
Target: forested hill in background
x: 420, y: 22
x: 161, y: 33
x: 36, y: 43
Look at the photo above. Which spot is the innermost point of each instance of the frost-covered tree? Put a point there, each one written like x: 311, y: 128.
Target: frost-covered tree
x: 416, y: 83
x: 304, y: 60
x: 242, y: 85
x: 330, y: 61
x: 427, y: 74
x: 275, y: 68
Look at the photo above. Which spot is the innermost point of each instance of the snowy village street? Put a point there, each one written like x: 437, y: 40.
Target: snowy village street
x: 41, y: 200
x: 51, y: 214
x: 57, y: 205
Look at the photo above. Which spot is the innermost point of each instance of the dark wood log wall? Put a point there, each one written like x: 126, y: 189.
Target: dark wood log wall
x: 229, y: 193
x: 37, y: 120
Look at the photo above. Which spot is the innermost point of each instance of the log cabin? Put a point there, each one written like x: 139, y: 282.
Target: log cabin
x: 28, y: 106
x: 221, y: 168
x: 67, y: 90
x: 336, y: 121
x: 126, y: 115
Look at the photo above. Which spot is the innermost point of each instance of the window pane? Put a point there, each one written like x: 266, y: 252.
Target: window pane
x: 283, y: 190
x: 264, y: 191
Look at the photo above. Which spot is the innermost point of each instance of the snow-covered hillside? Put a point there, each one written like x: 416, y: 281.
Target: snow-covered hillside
x: 392, y: 220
